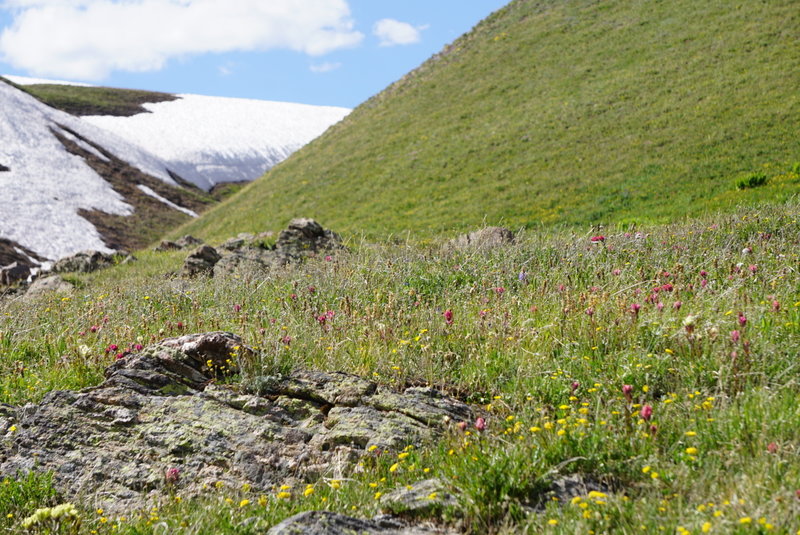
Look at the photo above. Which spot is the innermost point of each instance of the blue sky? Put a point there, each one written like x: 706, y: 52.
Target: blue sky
x: 329, y: 52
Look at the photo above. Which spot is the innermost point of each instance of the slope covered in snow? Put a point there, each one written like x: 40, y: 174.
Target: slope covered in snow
x: 46, y: 187
x: 208, y: 140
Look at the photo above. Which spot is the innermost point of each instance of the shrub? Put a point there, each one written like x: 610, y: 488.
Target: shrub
x: 753, y: 180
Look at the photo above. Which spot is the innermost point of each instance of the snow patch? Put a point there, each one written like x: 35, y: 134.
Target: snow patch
x: 26, y: 80
x: 209, y: 140
x: 169, y: 203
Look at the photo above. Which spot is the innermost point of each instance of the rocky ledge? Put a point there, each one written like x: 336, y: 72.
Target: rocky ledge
x: 164, y: 408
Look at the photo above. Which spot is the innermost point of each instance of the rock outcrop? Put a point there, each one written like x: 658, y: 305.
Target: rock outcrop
x: 83, y: 262
x: 163, y: 408
x: 303, y: 238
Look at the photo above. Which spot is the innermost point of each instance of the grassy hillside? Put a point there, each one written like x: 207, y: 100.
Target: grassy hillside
x: 701, y: 319
x: 576, y: 111
x: 79, y: 100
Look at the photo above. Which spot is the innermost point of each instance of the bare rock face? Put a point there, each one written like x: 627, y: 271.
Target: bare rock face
x: 14, y: 273
x: 162, y: 408
x: 486, y: 238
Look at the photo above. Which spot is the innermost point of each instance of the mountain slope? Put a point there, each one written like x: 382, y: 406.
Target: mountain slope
x: 560, y: 112
x: 206, y: 140
x: 70, y: 186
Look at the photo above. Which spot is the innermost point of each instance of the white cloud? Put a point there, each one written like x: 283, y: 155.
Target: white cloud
x: 324, y: 67
x: 393, y: 32
x: 87, y: 39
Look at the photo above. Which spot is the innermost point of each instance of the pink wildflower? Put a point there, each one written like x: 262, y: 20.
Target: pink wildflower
x: 646, y: 413
x: 448, y: 316
x: 480, y: 424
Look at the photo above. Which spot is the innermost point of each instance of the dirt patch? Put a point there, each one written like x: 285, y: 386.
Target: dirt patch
x: 10, y: 253
x: 151, y: 218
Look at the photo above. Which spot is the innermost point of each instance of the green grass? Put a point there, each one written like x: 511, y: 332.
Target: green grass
x: 515, y: 348
x: 570, y: 112
x: 79, y: 100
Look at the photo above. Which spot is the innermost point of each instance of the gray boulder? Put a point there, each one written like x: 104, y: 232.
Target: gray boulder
x: 50, y: 284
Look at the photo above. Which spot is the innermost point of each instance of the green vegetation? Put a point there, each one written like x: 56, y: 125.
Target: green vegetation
x: 79, y: 100
x: 560, y: 112
x: 701, y: 318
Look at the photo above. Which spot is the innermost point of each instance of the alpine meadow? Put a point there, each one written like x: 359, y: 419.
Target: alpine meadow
x: 551, y: 285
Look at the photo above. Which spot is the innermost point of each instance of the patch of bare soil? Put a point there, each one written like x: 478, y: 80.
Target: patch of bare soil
x: 151, y: 218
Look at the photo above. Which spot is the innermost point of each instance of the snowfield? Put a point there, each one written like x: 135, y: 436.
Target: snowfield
x: 46, y: 186
x: 209, y: 140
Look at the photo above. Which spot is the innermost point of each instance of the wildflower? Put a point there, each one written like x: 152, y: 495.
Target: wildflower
x: 462, y: 426
x: 328, y: 258
x: 480, y: 424
x: 590, y: 312
x: 772, y: 447
x: 575, y: 385
x: 237, y: 307
x: 776, y: 306
x: 742, y: 319
x: 627, y: 391
x: 448, y: 316
x: 172, y: 475
x: 284, y: 495
x: 244, y: 503
x: 635, y: 307
x: 308, y: 492
x: 689, y: 323
x: 523, y: 276
x: 753, y: 268
x: 646, y: 413
x: 138, y: 347
x: 597, y: 239
x: 735, y: 336
x: 691, y: 451
x: 499, y: 290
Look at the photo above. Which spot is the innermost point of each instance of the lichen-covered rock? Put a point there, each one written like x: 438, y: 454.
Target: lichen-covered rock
x: 83, y: 262
x: 248, y: 255
x: 486, y: 238
x: 304, y: 237
x: 327, y: 523
x: 419, y: 499
x: 163, y: 408
x: 201, y: 262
